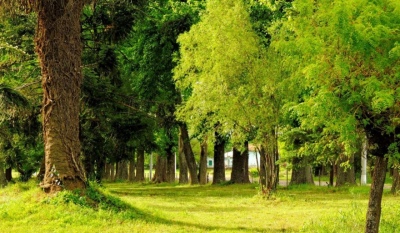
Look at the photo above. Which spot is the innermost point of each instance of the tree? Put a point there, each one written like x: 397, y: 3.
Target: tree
x: 59, y: 48
x: 347, y: 57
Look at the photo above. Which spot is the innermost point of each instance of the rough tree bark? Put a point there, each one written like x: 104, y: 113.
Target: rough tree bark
x: 140, y: 166
x: 301, y: 172
x: 219, y: 159
x: 203, y: 162
x: 187, y: 148
x: 58, y: 45
x: 183, y: 169
x: 240, y: 169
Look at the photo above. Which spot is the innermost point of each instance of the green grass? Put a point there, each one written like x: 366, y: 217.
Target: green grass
x: 125, y: 207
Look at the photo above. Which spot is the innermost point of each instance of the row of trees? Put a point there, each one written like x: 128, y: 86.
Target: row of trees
x: 321, y: 77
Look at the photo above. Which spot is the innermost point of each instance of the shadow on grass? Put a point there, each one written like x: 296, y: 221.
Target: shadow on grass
x: 133, y: 213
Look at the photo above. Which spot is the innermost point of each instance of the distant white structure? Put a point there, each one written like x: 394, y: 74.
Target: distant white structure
x: 254, y: 159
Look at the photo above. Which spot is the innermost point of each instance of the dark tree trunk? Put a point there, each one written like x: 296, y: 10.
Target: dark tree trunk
x: 271, y: 156
x: 263, y: 169
x: 203, y: 162
x: 88, y: 163
x: 331, y: 175
x: 375, y: 196
x: 345, y: 175
x: 187, y: 148
x: 3, y: 180
x: 9, y: 174
x: 132, y: 167
x: 382, y: 141
x: 301, y: 172
x: 59, y: 47
x: 170, y: 164
x: 183, y: 168
x: 160, y: 175
x: 396, y: 181
x: 240, y: 173
x: 140, y: 166
x: 219, y: 159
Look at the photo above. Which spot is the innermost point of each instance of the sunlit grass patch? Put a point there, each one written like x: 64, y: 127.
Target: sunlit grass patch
x: 126, y: 207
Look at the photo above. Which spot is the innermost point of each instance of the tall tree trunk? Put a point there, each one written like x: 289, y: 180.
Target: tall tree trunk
x: 345, y: 175
x: 203, y: 162
x: 301, y: 171
x: 9, y: 174
x: 240, y: 173
x: 219, y: 159
x: 140, y: 165
x: 170, y: 164
x: 187, y: 148
x: 183, y: 168
x: 132, y: 167
x: 59, y: 47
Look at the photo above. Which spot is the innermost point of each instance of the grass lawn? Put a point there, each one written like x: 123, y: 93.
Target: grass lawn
x: 125, y: 207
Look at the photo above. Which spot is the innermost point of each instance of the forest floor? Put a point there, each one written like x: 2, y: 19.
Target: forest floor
x: 182, y: 208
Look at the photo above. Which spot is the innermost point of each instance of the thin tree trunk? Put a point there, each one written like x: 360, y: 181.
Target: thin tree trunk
x: 3, y: 180
x: 112, y: 171
x: 59, y: 47
x: 183, y: 168
x: 170, y: 165
x: 187, y: 148
x: 9, y: 174
x: 263, y: 169
x: 203, y: 162
x: 375, y: 197
x: 219, y: 159
x: 140, y: 166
